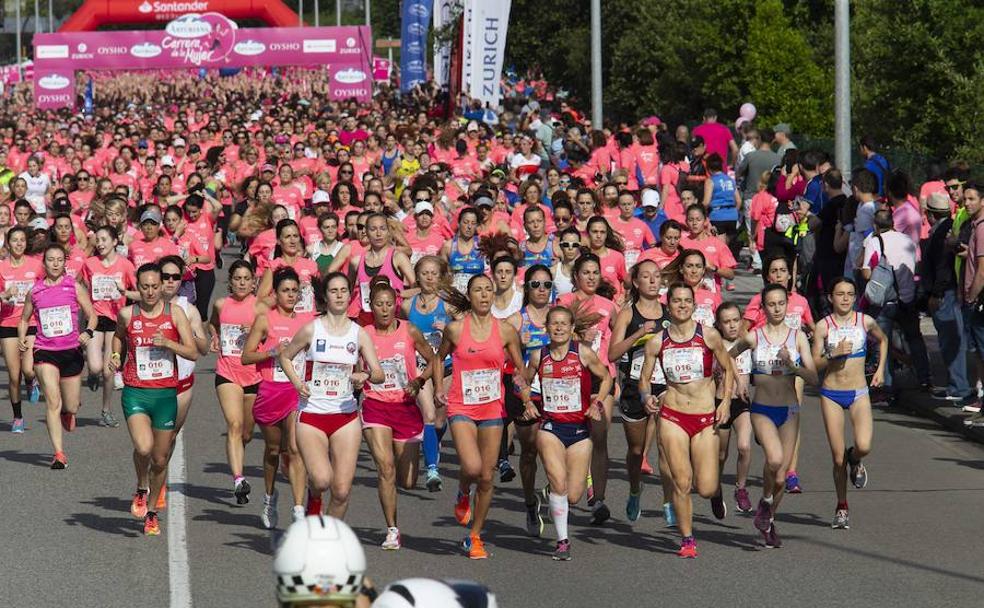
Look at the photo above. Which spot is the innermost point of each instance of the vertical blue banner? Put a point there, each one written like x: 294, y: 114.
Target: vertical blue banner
x: 89, y: 94
x: 415, y: 21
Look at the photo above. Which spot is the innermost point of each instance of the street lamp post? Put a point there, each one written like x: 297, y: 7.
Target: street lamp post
x: 842, y: 85
x: 596, y: 111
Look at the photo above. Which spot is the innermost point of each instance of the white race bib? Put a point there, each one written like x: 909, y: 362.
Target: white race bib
x: 703, y: 314
x: 682, y: 365
x: 56, y: 321
x: 635, y: 370
x: 21, y: 289
x: 460, y: 281
x: 480, y: 386
x: 364, y: 292
x: 768, y: 361
x: 854, y: 335
x: 305, y: 300
x: 631, y: 257
x: 154, y: 363
x: 105, y: 288
x: 330, y: 380
x: 561, y: 395
x: 744, y: 362
x: 233, y: 339
x: 298, y: 363
x: 395, y: 370
x: 793, y: 321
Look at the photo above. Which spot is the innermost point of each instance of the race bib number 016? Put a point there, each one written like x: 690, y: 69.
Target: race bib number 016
x: 481, y: 386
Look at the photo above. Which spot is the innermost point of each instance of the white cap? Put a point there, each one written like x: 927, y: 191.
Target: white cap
x: 412, y: 592
x: 319, y: 196
x: 422, y: 206
x: 167, y: 160
x: 650, y: 198
x: 178, y: 142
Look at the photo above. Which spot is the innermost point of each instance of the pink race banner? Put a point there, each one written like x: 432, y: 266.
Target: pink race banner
x: 211, y: 41
x: 380, y: 69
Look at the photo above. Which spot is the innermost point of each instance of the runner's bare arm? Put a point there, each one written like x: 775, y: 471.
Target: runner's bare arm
x: 186, y: 347
x: 257, y: 334
x: 368, y: 351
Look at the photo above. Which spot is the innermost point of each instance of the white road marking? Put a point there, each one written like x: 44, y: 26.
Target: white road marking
x: 177, y: 536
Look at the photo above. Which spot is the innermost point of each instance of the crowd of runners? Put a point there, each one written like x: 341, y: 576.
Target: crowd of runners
x: 428, y: 285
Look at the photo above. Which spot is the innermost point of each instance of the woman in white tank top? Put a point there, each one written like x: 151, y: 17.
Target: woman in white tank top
x: 328, y: 430
x: 508, y: 300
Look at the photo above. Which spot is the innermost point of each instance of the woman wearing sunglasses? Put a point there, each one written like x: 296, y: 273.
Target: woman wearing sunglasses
x: 569, y: 246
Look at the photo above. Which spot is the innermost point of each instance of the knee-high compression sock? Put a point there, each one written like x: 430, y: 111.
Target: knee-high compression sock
x: 558, y: 512
x: 432, y: 446
x: 17, y: 409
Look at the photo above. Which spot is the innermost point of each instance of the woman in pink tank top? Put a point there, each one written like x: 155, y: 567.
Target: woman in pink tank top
x: 478, y: 345
x: 17, y: 275
x: 54, y: 304
x: 392, y: 422
x: 236, y: 383
x: 275, y: 408
x: 290, y: 253
x: 380, y: 259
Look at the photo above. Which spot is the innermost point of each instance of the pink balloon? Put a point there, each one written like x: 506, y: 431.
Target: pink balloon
x: 748, y: 111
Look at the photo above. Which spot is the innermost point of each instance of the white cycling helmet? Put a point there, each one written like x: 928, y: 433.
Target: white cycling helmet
x: 431, y: 593
x: 319, y: 560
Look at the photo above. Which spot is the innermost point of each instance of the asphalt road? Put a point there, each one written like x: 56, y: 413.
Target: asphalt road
x: 68, y: 538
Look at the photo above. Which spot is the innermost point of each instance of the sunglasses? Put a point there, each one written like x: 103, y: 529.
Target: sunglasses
x: 539, y: 284
x: 569, y: 245
x: 83, y: 178
x: 422, y: 200
x: 360, y: 226
x: 167, y: 276
x: 345, y: 172
x: 955, y: 186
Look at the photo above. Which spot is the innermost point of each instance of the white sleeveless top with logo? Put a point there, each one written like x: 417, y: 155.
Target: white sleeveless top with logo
x: 330, y: 363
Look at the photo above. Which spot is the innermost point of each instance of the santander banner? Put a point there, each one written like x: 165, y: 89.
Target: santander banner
x: 210, y: 41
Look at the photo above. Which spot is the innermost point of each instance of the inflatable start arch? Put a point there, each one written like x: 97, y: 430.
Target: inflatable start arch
x: 95, y: 13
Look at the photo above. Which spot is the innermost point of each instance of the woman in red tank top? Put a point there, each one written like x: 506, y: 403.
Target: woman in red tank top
x: 275, y: 408
x: 565, y: 370
x: 154, y: 332
x: 688, y: 416
x: 478, y: 345
x: 391, y: 421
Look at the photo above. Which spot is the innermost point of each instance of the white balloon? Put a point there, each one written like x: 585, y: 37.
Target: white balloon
x: 748, y: 111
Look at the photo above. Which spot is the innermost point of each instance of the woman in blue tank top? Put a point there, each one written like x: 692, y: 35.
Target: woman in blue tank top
x: 464, y: 264
x: 428, y: 313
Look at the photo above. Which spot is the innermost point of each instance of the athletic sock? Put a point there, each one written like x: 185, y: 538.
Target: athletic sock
x: 432, y: 446
x: 236, y: 479
x: 768, y: 500
x: 17, y: 409
x: 558, y: 512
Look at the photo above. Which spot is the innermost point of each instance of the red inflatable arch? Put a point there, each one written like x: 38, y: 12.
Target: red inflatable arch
x: 95, y: 13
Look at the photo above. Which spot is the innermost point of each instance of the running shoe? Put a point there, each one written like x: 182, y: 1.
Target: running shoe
x: 688, y: 549
x: 563, y: 551
x: 68, y: 421
x: 298, y: 513
x: 763, y: 516
x: 107, y: 419
x: 393, y: 541
x: 974, y: 421
x: 17, y: 426
x: 118, y: 381
x: 600, y: 513
x: 974, y: 407
x: 534, y: 521
x: 138, y: 506
x: 633, y: 506
x: 434, y: 483
x: 475, y: 547
x: 313, y: 504
x: 152, y: 527
x: 718, y: 507
x: 742, y: 502
x: 162, y: 498
x: 646, y: 468
x: 590, y: 490
x: 269, y: 516
x: 793, y: 483
x: 859, y: 475
x: 506, y: 472
x: 35, y: 395
x: 772, y: 538
x: 242, y: 492
x: 93, y: 382
x: 842, y: 520
x: 462, y: 509
x: 669, y: 514
x: 59, y: 461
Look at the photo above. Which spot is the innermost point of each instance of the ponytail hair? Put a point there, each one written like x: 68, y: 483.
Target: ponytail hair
x: 457, y: 300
